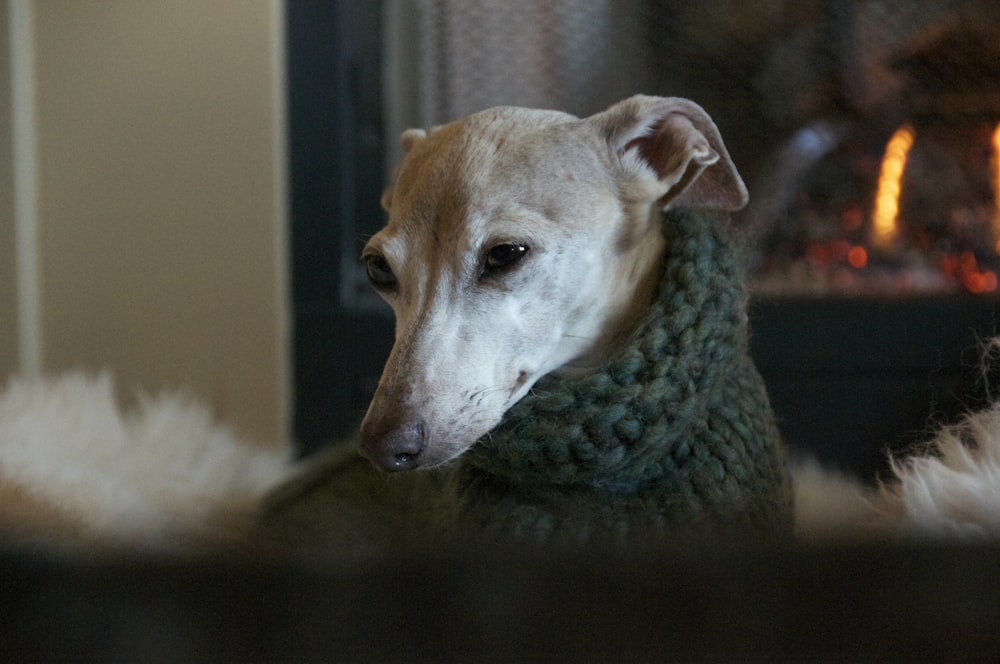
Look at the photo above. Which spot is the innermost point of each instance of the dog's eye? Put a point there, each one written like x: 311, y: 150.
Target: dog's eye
x: 379, y: 272
x: 504, y: 255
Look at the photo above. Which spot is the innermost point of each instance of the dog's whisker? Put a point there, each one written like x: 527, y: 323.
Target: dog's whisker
x: 481, y: 394
x: 585, y: 337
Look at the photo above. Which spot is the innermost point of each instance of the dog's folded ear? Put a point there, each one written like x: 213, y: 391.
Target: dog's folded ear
x: 411, y: 137
x: 407, y: 140
x: 671, y: 152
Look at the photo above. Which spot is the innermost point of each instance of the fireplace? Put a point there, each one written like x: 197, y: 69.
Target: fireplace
x: 876, y: 228
x: 868, y: 318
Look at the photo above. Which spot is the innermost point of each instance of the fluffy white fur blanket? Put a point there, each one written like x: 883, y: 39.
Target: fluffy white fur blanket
x: 78, y: 472
x: 953, y: 486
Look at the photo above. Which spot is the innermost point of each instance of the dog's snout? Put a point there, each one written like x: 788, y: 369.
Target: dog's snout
x: 394, y: 448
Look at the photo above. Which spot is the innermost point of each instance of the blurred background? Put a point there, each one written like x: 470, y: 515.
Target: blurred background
x: 185, y: 186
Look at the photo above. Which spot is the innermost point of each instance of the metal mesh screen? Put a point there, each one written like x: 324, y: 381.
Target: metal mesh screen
x: 789, y: 82
x: 567, y: 54
x: 755, y: 66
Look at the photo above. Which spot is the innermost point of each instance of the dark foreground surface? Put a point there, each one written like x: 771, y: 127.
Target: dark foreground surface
x: 796, y: 604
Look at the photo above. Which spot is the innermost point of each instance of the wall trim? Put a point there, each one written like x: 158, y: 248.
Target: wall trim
x: 25, y: 171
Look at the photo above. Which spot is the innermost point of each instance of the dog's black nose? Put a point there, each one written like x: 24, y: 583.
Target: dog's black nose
x: 396, y: 448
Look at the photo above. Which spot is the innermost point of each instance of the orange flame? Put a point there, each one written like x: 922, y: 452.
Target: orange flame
x: 890, y: 179
x: 995, y: 166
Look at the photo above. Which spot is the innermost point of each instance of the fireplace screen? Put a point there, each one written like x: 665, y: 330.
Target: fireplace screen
x: 868, y: 131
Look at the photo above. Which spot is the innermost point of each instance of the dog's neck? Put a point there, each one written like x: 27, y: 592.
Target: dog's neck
x: 633, y: 280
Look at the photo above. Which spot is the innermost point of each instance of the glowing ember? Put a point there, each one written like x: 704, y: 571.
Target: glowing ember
x: 884, y: 226
x: 857, y: 257
x: 966, y: 270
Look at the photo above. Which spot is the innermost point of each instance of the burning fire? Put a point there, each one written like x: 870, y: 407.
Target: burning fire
x: 964, y: 267
x: 890, y: 178
x: 958, y: 244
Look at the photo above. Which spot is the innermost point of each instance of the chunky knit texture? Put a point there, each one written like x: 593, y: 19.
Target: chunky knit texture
x: 675, y: 436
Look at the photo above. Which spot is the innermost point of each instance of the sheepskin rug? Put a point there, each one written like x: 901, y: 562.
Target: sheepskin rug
x: 77, y: 472
x: 952, y: 487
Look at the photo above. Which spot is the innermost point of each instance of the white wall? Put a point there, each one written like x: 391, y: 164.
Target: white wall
x: 160, y: 196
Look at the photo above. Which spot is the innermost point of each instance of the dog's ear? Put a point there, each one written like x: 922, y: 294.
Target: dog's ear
x: 386, y: 200
x: 407, y: 140
x: 411, y: 137
x: 670, y: 151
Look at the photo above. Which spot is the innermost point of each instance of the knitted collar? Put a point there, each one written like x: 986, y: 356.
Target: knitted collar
x: 634, y: 420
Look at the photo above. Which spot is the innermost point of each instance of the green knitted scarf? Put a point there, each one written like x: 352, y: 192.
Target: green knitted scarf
x: 674, y: 436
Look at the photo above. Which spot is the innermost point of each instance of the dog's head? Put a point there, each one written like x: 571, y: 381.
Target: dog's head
x: 522, y: 243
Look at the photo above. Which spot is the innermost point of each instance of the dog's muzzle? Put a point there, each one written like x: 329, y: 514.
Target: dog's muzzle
x: 394, y: 448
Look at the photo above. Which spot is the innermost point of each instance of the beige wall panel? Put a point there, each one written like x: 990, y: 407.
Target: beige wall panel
x: 160, y: 199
